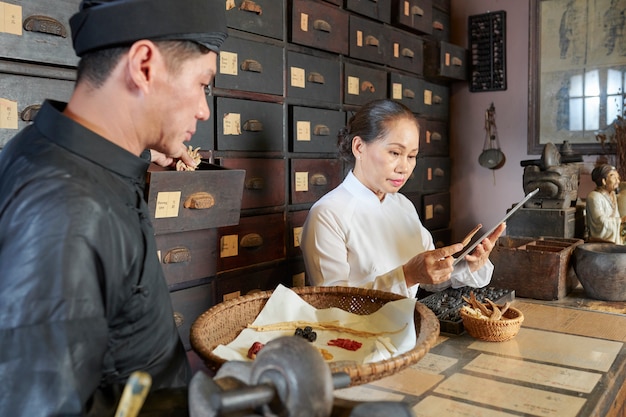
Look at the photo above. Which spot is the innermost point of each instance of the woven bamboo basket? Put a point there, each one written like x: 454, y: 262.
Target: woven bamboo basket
x: 223, y: 322
x: 494, y: 330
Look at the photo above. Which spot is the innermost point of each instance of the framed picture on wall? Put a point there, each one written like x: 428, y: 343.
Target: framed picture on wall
x: 577, y: 72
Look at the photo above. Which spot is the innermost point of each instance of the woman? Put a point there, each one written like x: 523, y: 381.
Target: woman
x: 366, y: 234
x: 603, y: 219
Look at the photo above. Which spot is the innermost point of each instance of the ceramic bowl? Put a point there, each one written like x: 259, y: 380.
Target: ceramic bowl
x: 601, y: 269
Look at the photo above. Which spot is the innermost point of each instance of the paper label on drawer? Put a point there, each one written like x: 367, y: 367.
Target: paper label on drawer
x: 10, y: 19
x: 304, y: 22
x: 298, y: 76
x: 297, y: 234
x: 447, y: 59
x: 302, y: 181
x: 229, y: 246
x: 303, y: 131
x: 396, y: 91
x: 8, y: 114
x: 429, y: 212
x: 228, y: 63
x: 359, y: 38
x: 428, y: 97
x: 407, y: 8
x: 353, y: 85
x: 232, y: 124
x: 230, y: 4
x: 396, y: 50
x: 167, y: 204
x: 428, y: 136
x: 429, y: 174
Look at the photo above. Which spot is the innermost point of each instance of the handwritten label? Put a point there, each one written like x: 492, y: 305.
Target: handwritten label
x: 167, y: 204
x: 8, y: 114
x: 396, y: 91
x: 302, y: 181
x: 229, y: 246
x: 297, y: 234
x: 353, y: 85
x: 304, y: 22
x: 298, y: 76
x: 429, y: 174
x: 428, y: 97
x: 10, y: 19
x: 232, y: 124
x: 407, y: 8
x: 303, y: 131
x: 428, y: 133
x: 396, y: 50
x: 228, y: 63
x: 447, y: 59
x: 430, y: 212
x: 359, y: 38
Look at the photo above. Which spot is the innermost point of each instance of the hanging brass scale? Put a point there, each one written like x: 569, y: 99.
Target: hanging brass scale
x: 492, y: 156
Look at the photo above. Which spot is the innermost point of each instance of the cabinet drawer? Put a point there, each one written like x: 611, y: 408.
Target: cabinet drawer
x: 430, y: 174
x: 413, y: 14
x: 441, y: 25
x: 435, y: 102
x: 406, y: 51
x: 407, y: 90
x: 368, y: 40
x: 25, y: 95
x: 263, y: 17
x: 315, y: 130
x: 378, y: 9
x: 295, y: 221
x: 313, y: 78
x: 255, y: 240
x: 443, y: 5
x: 312, y: 178
x: 445, y: 60
x: 248, y: 282
x: 244, y: 125
x: 188, y: 256
x: 39, y: 31
x: 250, y: 66
x: 433, y: 209
x: 442, y: 237
x: 264, y: 185
x: 363, y: 84
x: 434, y: 139
x: 188, y: 305
x: 191, y: 200
x: 320, y: 26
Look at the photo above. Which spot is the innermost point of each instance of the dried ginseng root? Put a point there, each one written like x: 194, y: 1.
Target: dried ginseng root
x: 195, y: 155
x: 487, y: 311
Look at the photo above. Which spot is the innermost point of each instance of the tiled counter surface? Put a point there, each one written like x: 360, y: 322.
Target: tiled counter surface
x: 565, y: 362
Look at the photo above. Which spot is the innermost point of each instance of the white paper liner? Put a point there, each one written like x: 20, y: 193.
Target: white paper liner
x: 394, y: 320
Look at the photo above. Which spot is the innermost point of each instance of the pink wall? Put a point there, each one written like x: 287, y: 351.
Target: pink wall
x: 478, y: 194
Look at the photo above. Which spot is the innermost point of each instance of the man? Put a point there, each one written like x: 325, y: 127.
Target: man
x: 83, y: 299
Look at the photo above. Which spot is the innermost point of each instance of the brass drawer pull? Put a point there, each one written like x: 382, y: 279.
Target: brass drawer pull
x: 322, y: 26
x: 251, y: 240
x: 321, y: 130
x: 251, y: 65
x: 319, y: 179
x: 435, y: 136
x: 200, y: 201
x: 29, y: 113
x: 253, y: 125
x: 179, y: 319
x: 371, y: 40
x: 177, y: 256
x: 316, y: 77
x: 439, y: 209
x: 45, y: 24
x: 439, y: 172
x: 437, y: 25
x: 456, y: 61
x: 368, y: 86
x: 416, y: 10
x: 408, y: 93
x: 406, y: 52
x: 250, y: 6
x: 437, y: 100
x: 256, y: 183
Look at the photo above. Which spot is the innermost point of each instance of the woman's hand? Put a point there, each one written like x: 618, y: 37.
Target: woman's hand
x: 431, y: 267
x: 479, y: 256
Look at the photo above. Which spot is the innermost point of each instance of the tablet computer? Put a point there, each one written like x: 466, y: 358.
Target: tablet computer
x: 490, y: 231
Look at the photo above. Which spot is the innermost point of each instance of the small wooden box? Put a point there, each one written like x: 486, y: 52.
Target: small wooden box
x: 312, y: 178
x: 320, y: 26
x: 535, y: 268
x: 368, y: 40
x: 264, y: 185
x: 534, y: 223
x: 315, y: 130
x: 313, y: 78
x: 363, y: 84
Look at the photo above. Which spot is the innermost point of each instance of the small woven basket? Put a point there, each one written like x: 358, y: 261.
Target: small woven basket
x: 493, y: 330
x: 223, y: 322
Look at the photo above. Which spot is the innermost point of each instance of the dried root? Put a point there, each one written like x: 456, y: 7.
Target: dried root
x: 195, y: 154
x: 486, y: 311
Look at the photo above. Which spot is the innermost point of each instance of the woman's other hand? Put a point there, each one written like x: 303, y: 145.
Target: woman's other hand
x: 479, y: 256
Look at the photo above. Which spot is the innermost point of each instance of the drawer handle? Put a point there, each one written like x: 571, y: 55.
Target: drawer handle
x: 437, y: 100
x: 322, y: 26
x: 457, y: 62
x: 250, y: 6
x: 29, y: 113
x: 251, y: 240
x: 408, y: 93
x: 319, y: 179
x: 251, y: 65
x: 200, y: 201
x: 438, y: 25
x: 179, y: 319
x: 406, y: 52
x: 367, y: 85
x: 416, y: 10
x: 45, y: 24
x: 435, y: 136
x: 371, y: 40
x: 439, y: 209
x: 439, y: 172
x: 177, y: 256
x: 316, y: 77
x: 321, y: 130
x: 253, y: 125
x: 255, y: 183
